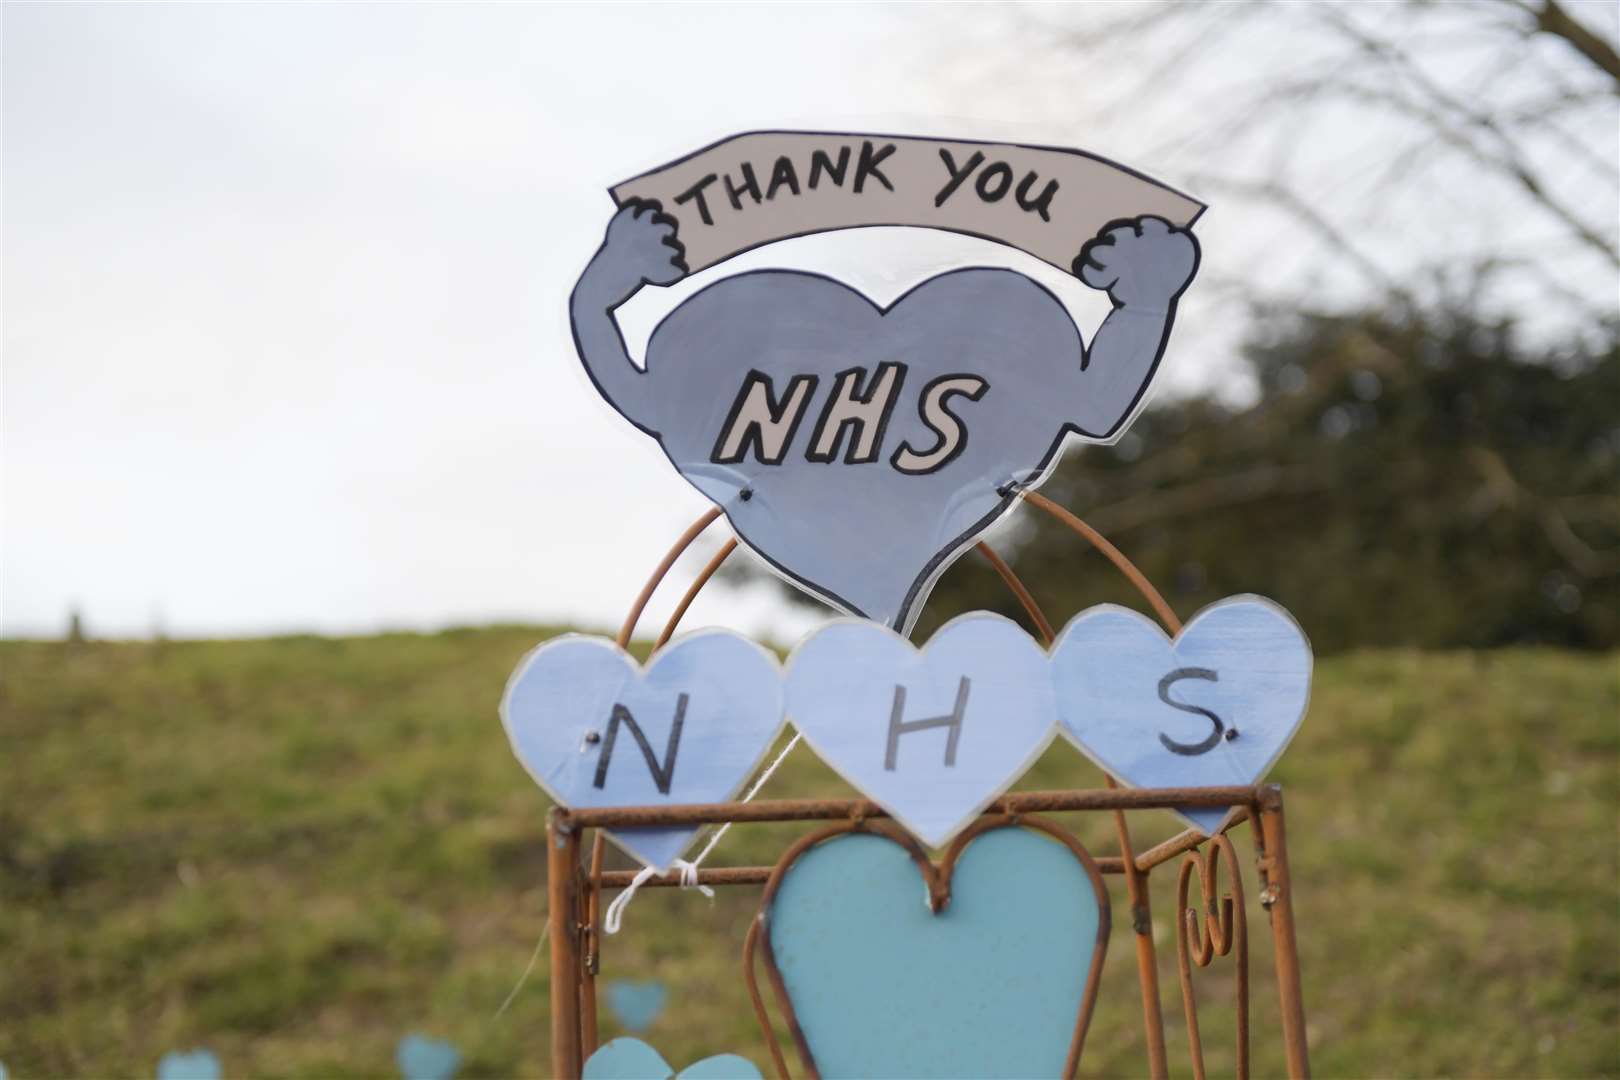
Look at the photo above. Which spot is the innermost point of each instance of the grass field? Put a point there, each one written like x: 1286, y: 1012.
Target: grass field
x: 294, y: 851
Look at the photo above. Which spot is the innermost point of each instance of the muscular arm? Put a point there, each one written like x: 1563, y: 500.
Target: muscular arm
x: 1144, y: 266
x: 640, y: 249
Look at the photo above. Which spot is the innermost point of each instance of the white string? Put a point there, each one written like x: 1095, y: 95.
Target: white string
x: 523, y: 978
x: 615, y: 912
x: 752, y: 791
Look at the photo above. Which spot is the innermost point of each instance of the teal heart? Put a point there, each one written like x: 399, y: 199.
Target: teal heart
x: 422, y: 1058
x: 990, y: 986
x: 196, y: 1064
x: 636, y: 1004
x: 632, y: 1059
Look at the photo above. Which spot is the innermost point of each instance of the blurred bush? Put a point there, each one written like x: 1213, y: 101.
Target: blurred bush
x: 1432, y: 483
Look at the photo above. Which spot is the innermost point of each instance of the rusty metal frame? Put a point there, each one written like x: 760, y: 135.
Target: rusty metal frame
x: 575, y: 909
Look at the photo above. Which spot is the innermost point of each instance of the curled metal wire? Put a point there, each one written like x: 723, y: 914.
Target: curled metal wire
x: 1225, y: 929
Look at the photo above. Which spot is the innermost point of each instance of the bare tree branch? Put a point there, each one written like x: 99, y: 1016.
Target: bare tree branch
x: 1508, y: 157
x: 1552, y: 19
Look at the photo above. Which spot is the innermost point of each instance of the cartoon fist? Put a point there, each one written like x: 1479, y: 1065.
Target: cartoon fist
x: 1143, y: 263
x: 640, y: 248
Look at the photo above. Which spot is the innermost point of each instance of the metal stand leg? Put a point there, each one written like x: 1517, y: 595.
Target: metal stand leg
x: 562, y: 880
x: 1276, y: 897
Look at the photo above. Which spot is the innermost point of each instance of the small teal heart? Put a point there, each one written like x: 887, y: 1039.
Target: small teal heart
x: 992, y: 985
x: 636, y: 1004
x: 632, y: 1059
x: 422, y: 1058
x: 197, y: 1064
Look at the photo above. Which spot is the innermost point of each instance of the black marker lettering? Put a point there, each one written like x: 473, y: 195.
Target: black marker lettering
x: 952, y: 720
x: 663, y: 773
x: 1042, y: 202
x: 757, y: 417
x: 696, y: 192
x: 782, y: 174
x: 868, y: 166
x: 821, y: 163
x: 952, y: 437
x: 957, y: 175
x: 866, y: 417
x: 750, y: 187
x: 1214, y: 740
x: 1003, y: 173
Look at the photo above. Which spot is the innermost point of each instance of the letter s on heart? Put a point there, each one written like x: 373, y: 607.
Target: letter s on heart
x: 952, y: 436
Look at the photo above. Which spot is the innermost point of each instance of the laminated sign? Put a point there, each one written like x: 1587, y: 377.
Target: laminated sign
x: 859, y: 448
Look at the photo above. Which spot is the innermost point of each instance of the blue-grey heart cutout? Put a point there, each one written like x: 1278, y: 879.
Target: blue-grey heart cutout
x: 990, y: 986
x: 576, y: 700
x: 1217, y: 706
x: 893, y: 531
x: 931, y: 735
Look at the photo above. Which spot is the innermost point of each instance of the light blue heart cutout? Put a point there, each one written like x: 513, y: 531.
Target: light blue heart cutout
x: 632, y: 1059
x: 422, y: 1058
x: 636, y: 1004
x: 932, y: 735
x: 577, y: 700
x: 1217, y: 706
x: 990, y: 986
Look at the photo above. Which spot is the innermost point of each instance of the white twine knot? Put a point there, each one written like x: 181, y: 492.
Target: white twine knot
x: 689, y: 879
x: 615, y: 912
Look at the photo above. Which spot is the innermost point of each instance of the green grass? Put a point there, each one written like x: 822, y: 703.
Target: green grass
x: 294, y: 851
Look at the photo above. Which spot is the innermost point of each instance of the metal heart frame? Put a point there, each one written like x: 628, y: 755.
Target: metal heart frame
x: 575, y: 887
x: 938, y: 879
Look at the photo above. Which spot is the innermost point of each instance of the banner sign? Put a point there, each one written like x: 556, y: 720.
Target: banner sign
x: 764, y: 186
x: 859, y: 448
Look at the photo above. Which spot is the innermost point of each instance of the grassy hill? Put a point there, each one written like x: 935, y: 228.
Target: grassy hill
x: 294, y: 851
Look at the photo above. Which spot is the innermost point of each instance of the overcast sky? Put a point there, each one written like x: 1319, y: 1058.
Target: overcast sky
x: 284, y: 292
x: 284, y: 285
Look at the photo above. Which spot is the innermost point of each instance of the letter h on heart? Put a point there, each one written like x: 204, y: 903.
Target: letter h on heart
x: 952, y: 720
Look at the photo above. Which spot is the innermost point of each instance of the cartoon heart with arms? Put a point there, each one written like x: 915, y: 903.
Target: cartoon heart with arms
x: 794, y: 402
x: 1215, y: 706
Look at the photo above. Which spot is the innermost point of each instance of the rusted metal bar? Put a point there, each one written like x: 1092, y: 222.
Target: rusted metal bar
x: 1276, y: 896
x: 1114, y: 555
x: 562, y: 868
x: 1181, y: 843
x: 758, y: 875
x: 590, y: 961
x: 720, y: 875
x: 1147, y: 961
x: 1018, y: 802
x: 1225, y: 928
x: 681, y: 544
x: 691, y: 593
x: 751, y: 980
x: 1018, y: 589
